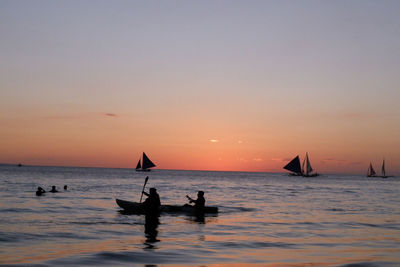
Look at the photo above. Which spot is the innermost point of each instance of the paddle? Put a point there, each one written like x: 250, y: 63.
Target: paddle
x: 145, y: 182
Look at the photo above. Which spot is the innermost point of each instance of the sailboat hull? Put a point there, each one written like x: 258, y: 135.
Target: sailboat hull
x: 311, y: 175
x: 295, y: 174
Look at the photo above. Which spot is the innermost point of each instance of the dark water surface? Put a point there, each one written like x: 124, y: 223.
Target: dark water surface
x: 264, y: 219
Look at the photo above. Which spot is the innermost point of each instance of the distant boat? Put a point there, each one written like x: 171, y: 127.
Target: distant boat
x: 145, y: 164
x: 371, y: 172
x: 306, y: 170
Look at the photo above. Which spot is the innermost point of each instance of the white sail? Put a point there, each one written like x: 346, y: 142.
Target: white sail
x: 309, y: 169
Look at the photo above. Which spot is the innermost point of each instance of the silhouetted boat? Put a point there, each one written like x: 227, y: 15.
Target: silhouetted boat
x: 138, y: 208
x: 371, y: 172
x: 306, y: 170
x: 145, y: 165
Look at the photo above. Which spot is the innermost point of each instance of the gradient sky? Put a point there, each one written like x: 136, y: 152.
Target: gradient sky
x: 211, y: 85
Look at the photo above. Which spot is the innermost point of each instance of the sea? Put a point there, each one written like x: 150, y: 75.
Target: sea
x: 264, y: 219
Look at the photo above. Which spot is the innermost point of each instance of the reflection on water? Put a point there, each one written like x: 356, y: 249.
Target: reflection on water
x: 150, y: 230
x: 264, y: 219
x: 199, y: 218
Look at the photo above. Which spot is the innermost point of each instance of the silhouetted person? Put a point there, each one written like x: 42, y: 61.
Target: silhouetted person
x: 53, y: 189
x: 152, y: 203
x: 40, y: 191
x: 65, y: 187
x: 200, y: 202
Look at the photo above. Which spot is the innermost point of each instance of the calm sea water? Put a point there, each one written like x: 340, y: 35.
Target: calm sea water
x: 265, y: 219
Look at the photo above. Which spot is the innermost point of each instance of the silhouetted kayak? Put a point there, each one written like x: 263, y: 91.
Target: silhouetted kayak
x: 135, y: 207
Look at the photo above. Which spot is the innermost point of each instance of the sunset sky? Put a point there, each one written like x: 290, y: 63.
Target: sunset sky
x: 204, y: 85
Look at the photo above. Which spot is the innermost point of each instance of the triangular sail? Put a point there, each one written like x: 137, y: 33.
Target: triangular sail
x: 294, y: 165
x: 147, y: 163
x: 138, y: 166
x: 309, y: 169
x: 371, y: 171
x: 383, y: 169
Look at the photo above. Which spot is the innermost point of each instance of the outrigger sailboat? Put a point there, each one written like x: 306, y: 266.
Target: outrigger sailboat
x: 306, y: 170
x: 145, y: 165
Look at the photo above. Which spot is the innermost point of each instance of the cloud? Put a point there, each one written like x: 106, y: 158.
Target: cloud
x: 340, y: 161
x: 89, y: 115
x: 281, y: 159
x: 258, y: 159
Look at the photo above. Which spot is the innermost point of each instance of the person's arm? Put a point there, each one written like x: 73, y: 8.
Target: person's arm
x: 191, y: 200
x: 146, y: 194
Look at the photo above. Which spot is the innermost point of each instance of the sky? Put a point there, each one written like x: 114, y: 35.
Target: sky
x: 201, y: 85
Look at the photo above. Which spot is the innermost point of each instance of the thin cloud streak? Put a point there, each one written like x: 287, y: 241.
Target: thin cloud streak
x: 80, y: 116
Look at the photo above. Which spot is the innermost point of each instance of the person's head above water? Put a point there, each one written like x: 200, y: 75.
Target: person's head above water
x: 65, y: 187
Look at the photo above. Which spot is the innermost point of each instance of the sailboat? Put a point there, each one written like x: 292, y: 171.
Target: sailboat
x: 306, y: 170
x: 145, y: 164
x: 371, y: 172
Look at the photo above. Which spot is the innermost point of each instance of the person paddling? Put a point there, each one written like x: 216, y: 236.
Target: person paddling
x: 200, y: 202
x: 152, y: 203
x: 40, y: 191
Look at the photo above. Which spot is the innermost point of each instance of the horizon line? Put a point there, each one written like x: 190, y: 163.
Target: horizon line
x: 133, y: 168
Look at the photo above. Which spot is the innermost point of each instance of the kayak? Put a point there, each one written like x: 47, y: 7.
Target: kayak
x: 138, y: 208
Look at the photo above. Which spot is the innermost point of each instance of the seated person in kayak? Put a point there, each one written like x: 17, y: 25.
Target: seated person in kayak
x: 152, y: 203
x: 40, y: 191
x: 53, y: 189
x: 200, y: 202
